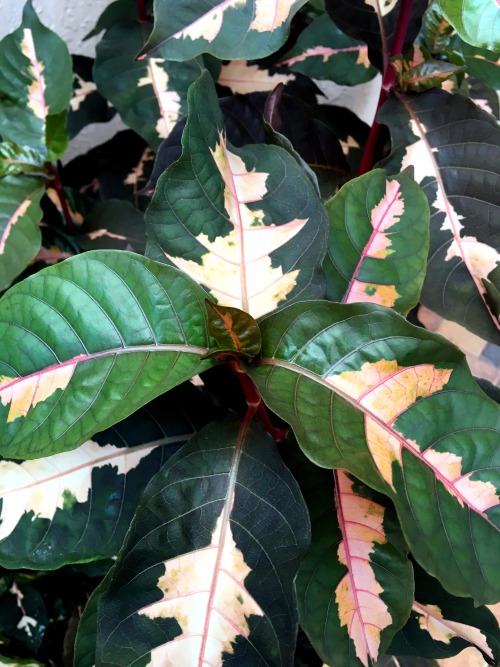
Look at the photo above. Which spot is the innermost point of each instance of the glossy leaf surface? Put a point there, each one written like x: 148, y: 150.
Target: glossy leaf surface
x: 378, y: 242
x: 396, y: 406
x: 247, y: 224
x: 228, y: 29
x: 476, y: 21
x: 16, y: 159
x: 108, y: 325
x: 233, y: 329
x: 35, y: 86
x: 20, y: 214
x: 206, y: 573
x: 454, y: 148
x: 78, y: 505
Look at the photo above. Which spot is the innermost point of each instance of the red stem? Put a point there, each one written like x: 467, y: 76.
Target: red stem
x: 254, y: 401
x: 58, y: 187
x: 142, y: 14
x: 388, y: 79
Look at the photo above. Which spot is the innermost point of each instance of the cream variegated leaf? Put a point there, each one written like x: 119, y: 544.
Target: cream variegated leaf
x: 241, y: 77
x: 237, y: 233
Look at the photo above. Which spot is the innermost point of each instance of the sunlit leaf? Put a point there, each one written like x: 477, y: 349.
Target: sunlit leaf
x: 206, y: 573
x: 396, y: 406
x: 16, y: 159
x: 378, y: 242
x: 91, y: 331
x: 476, y: 21
x: 247, y: 224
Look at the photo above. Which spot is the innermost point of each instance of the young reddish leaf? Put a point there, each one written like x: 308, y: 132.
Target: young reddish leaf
x: 92, y: 330
x: 241, y: 77
x: 396, y: 406
x: 245, y: 223
x: 228, y: 29
x: 378, y: 243
x: 454, y: 148
x: 207, y: 569
x: 421, y: 72
x: 233, y: 329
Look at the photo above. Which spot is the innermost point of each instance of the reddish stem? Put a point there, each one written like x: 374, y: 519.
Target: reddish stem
x: 388, y: 79
x: 142, y: 14
x: 58, y: 187
x: 254, y: 401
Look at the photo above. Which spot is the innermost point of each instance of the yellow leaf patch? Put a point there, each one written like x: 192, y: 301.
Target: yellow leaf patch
x: 36, y: 89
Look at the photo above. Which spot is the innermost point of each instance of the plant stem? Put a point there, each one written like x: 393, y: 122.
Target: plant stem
x: 58, y: 187
x: 254, y: 401
x: 388, y: 79
x: 142, y: 14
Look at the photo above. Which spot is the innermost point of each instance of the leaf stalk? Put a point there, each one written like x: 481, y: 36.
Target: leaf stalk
x: 58, y: 187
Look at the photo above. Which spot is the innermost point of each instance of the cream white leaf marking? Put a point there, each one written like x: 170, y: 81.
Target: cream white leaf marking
x: 169, y: 101
x: 444, y: 630
x: 26, y: 622
x: 36, y: 89
x: 41, y: 485
x: 137, y: 173
x: 204, y: 591
x: 237, y: 268
x: 385, y: 390
x: 99, y: 233
x: 361, y: 608
x: 271, y: 14
x: 20, y: 212
x: 83, y: 89
x: 482, y: 258
x: 382, y: 7
x: 348, y: 144
x: 208, y: 25
x: 326, y: 53
x: 421, y: 156
x: 383, y: 217
x: 243, y: 78
x: 24, y: 394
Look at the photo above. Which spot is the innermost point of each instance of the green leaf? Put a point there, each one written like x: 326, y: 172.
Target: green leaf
x: 35, y: 85
x: 355, y: 584
x: 378, y: 243
x: 76, y: 506
x: 233, y: 329
x: 476, y: 21
x: 441, y: 625
x: 322, y: 51
x: 454, y: 148
x: 436, y: 31
x: 20, y: 213
x: 113, y: 223
x: 150, y: 95
x: 86, y: 636
x: 206, y: 573
x: 395, y: 405
x: 16, y: 159
x: 87, y: 342
x: 228, y: 29
x: 480, y: 63
x: 245, y: 223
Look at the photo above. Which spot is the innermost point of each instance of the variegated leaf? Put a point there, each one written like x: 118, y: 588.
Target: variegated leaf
x: 378, y: 242
x: 35, y: 87
x: 228, y: 29
x: 355, y: 585
x: 87, y: 105
x: 242, y: 77
x: 374, y: 22
x: 77, y: 505
x: 441, y: 625
x: 476, y: 21
x: 149, y: 95
x: 79, y: 337
x: 396, y: 406
x: 322, y: 51
x: 20, y: 213
x: 16, y: 159
x: 247, y: 224
x: 23, y: 616
x: 206, y: 574
x: 454, y: 148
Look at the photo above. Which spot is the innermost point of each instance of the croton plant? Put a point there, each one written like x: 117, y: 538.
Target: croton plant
x: 226, y: 438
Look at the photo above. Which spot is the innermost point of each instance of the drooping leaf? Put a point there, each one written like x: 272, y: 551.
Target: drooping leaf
x: 228, y: 29
x: 374, y: 22
x: 113, y: 224
x: 378, y: 242
x: 149, y: 95
x: 355, y: 585
x: 20, y: 213
x: 206, y: 573
x: 441, y: 625
x: 35, y: 86
x: 395, y: 405
x: 233, y: 329
x: 16, y: 159
x: 454, y: 148
x: 476, y: 21
x: 80, y: 337
x: 322, y: 51
x: 77, y: 505
x: 245, y: 223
